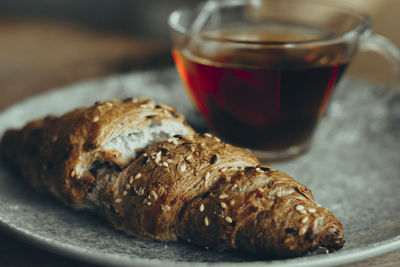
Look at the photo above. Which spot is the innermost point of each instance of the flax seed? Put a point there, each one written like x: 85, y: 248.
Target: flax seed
x: 214, y: 159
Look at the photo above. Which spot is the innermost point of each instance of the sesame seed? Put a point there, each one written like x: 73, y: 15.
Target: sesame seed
x: 158, y: 164
x: 72, y: 173
x: 286, y: 241
x: 299, y: 207
x: 326, y: 251
x: 258, y: 169
x: 148, y: 203
x: 223, y: 205
x: 182, y: 167
x: 131, y: 179
x: 206, y: 221
x: 207, y: 176
x: 165, y: 164
x: 95, y: 119
x: 201, y: 207
x: 170, y: 161
x: 144, y: 155
x: 203, y: 146
x: 124, y: 193
x: 304, y: 220
x: 303, y: 231
x: 154, y: 195
x: 138, y: 175
x: 312, y: 210
x: 207, y: 135
x: 217, y: 139
x: 117, y: 200
x: 109, y: 104
x: 232, y: 202
x: 192, y: 148
x: 224, y: 169
x: 228, y: 219
x: 166, y: 208
x: 128, y: 187
x: 189, y: 157
x: 223, y: 195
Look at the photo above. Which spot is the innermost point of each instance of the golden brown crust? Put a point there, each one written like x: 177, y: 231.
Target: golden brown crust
x: 193, y: 187
x: 222, y: 199
x: 50, y: 152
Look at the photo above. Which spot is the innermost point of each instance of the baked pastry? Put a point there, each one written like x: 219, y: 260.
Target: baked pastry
x: 142, y: 167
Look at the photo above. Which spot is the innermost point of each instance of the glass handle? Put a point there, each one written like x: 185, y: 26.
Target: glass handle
x: 383, y: 46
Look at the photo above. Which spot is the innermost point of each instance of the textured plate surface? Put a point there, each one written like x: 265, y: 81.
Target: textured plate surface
x: 353, y: 169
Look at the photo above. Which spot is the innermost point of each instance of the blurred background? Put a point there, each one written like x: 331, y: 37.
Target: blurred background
x: 47, y: 43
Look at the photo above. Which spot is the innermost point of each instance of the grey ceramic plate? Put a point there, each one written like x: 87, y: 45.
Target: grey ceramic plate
x: 353, y: 169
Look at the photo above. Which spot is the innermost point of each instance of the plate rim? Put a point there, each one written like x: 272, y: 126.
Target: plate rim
x: 75, y: 252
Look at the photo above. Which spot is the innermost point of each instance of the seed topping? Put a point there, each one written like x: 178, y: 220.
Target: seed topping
x: 182, y: 167
x: 138, y: 175
x: 201, y: 207
x: 96, y: 119
x: 117, y: 200
x: 153, y: 195
x: 206, y: 221
x: 223, y: 205
x: 223, y: 196
x: 228, y: 219
x: 213, y: 159
x: 312, y: 210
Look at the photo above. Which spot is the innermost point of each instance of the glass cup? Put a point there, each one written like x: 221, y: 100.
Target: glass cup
x: 261, y: 72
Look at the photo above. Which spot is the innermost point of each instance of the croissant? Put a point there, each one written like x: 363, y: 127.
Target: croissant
x: 142, y: 167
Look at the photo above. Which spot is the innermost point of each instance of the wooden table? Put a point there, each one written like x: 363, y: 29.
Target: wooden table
x: 38, y: 56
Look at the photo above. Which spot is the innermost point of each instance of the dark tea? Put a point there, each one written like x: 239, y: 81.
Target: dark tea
x: 267, y: 98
